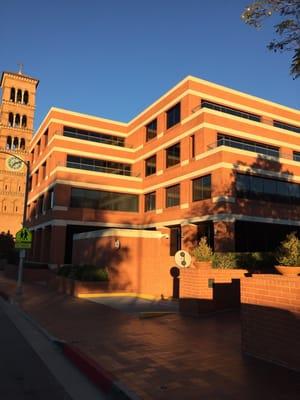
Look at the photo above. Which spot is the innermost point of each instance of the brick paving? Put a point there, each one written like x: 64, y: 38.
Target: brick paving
x: 170, y: 357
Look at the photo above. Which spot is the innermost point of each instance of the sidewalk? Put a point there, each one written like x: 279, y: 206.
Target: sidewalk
x: 170, y: 357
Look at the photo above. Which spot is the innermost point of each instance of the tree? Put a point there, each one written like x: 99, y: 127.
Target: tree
x: 288, y: 29
x: 7, y: 244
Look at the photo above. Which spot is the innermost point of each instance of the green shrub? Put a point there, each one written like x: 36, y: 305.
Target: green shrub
x: 224, y: 260
x: 64, y: 270
x: 85, y: 273
x: 7, y: 248
x: 288, y: 252
x: 255, y: 261
x: 203, y: 252
x: 96, y: 274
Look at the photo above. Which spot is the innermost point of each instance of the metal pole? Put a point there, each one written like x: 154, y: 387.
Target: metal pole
x: 23, y: 251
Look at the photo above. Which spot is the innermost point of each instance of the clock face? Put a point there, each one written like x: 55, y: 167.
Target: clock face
x: 13, y: 163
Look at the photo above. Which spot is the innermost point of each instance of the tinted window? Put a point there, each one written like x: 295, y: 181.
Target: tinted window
x: 151, y: 130
x: 229, y: 110
x: 254, y: 187
x: 150, y: 165
x: 93, y: 136
x: 173, y: 116
x: 288, y: 127
x: 150, y: 201
x: 202, y: 188
x: 92, y: 164
x: 173, y: 155
x: 102, y: 200
x: 175, y: 239
x: 173, y: 196
x: 231, y: 141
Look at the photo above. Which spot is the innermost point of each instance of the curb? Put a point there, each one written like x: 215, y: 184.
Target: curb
x: 103, y: 379
x: 154, y: 314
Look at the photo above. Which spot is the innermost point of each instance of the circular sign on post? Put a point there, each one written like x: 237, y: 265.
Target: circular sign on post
x: 183, y: 259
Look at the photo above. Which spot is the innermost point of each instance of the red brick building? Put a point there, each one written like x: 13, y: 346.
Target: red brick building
x: 202, y: 160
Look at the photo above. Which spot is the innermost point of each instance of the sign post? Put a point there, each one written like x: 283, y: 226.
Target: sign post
x: 23, y: 241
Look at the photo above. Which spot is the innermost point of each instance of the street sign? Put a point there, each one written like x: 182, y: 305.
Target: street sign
x: 183, y: 259
x: 23, y: 239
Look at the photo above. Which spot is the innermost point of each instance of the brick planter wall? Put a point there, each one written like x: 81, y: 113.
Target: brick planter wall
x: 271, y: 318
x: 207, y: 289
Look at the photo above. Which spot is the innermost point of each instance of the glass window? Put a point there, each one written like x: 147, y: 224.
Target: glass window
x: 267, y: 189
x: 192, y: 144
x: 173, y: 116
x: 103, y: 200
x: 44, y: 170
x: 92, y: 164
x: 231, y: 141
x: 175, y: 239
x: 150, y: 201
x: 41, y: 204
x: 288, y: 127
x: 243, y: 184
x: 229, y: 110
x: 151, y: 130
x: 202, y: 188
x: 150, y: 165
x: 94, y: 136
x: 257, y: 184
x: 296, y: 156
x: 173, y: 196
x: 173, y: 155
x: 46, y: 137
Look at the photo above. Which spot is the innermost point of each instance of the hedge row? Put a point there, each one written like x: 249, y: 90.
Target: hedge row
x: 87, y: 273
x: 250, y: 261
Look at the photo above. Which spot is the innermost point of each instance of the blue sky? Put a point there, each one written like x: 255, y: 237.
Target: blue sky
x: 112, y: 58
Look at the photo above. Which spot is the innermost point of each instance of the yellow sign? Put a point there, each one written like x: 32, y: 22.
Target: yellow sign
x: 23, y: 239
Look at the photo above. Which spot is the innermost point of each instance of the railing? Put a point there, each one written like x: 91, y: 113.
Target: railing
x: 249, y: 147
x: 229, y: 110
x: 97, y: 168
x: 98, y: 138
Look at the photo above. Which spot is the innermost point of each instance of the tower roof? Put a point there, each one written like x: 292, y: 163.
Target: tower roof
x: 19, y: 76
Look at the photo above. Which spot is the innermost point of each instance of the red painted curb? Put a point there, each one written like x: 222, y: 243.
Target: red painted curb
x: 101, y: 378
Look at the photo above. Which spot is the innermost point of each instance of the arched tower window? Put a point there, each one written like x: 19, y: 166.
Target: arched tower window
x: 12, y: 94
x: 17, y: 120
x: 26, y: 97
x: 24, y: 121
x: 19, y: 96
x: 22, y: 144
x: 15, y: 143
x: 8, y: 142
x: 10, y: 119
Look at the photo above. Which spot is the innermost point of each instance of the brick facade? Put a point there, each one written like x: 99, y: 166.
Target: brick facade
x: 206, y: 289
x: 271, y: 318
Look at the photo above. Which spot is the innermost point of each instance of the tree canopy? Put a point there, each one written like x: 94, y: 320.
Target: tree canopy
x: 288, y: 29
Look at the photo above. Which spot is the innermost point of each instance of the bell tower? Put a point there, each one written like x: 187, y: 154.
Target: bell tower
x: 16, y: 129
